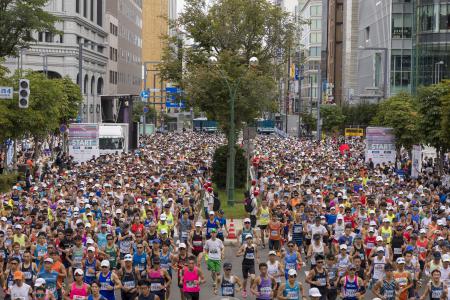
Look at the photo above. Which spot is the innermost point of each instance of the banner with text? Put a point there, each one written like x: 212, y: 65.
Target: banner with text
x: 83, y: 141
x: 380, y: 145
x: 416, y: 161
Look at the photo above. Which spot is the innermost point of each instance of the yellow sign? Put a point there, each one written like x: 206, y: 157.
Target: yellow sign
x: 355, y: 132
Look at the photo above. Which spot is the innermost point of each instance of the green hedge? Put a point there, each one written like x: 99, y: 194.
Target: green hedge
x: 219, y: 167
x: 7, y: 181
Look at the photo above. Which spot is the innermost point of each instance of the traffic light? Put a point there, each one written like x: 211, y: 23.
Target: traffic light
x: 24, y: 93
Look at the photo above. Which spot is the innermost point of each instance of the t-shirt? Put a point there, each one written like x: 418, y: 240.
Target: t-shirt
x: 214, y: 249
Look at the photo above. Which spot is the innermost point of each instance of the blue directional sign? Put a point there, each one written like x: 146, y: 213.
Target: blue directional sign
x: 145, y: 94
x: 180, y: 104
x: 146, y: 109
x: 173, y: 90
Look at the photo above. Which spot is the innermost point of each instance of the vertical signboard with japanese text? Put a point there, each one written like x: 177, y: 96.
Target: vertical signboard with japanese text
x: 83, y: 141
x: 380, y: 145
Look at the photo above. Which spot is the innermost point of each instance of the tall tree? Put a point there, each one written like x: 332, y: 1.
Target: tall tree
x: 332, y: 118
x: 399, y: 112
x: 19, y: 19
x: 432, y: 103
x: 233, y: 31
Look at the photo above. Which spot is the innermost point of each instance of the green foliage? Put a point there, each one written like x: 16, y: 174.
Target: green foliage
x: 309, y: 122
x: 138, y: 111
x: 233, y: 31
x: 52, y: 101
x: 332, y: 117
x: 219, y: 167
x: 433, y: 108
x: 360, y: 114
x: 7, y: 181
x: 399, y: 113
x: 19, y: 19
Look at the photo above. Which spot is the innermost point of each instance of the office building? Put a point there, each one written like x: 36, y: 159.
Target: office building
x: 431, y: 42
x: 385, y: 54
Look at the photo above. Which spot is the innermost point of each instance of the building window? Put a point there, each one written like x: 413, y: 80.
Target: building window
x: 100, y: 12
x: 316, y: 11
x: 77, y: 6
x: 92, y: 85
x: 314, y: 51
x: 49, y: 37
x: 85, y: 84
x: 316, y: 24
x: 315, y: 37
x: 92, y: 10
x: 401, y: 26
x: 444, y: 17
x: 61, y: 38
x: 100, y: 86
x: 40, y: 36
x: 367, y: 34
x: 377, y: 64
x: 85, y: 7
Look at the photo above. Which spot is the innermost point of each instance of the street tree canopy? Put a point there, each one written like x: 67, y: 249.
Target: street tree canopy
x: 399, y: 112
x: 19, y: 19
x: 233, y: 31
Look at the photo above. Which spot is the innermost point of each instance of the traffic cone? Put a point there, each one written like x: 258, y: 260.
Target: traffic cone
x: 231, y: 230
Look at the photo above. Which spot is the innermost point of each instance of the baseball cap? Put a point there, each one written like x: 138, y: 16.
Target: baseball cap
x: 248, y: 236
x: 271, y: 252
x: 371, y: 229
x: 343, y: 246
x: 380, y: 249
x: 49, y: 260
x: 211, y: 212
x: 128, y: 257
x: 91, y: 249
x: 18, y: 275
x: 198, y: 224
x: 247, y: 220
x: 379, y: 238
x: 182, y: 245
x: 78, y: 272
x: 422, y: 230
x: 446, y: 258
x: 314, y: 292
x: 227, y: 265
x: 292, y: 272
x: 39, y: 282
x: 163, y: 217
x: 105, y: 263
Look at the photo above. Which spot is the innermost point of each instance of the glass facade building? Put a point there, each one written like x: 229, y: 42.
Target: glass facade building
x: 431, y: 41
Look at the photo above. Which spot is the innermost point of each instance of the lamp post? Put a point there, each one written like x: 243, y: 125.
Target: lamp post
x: 437, y: 71
x: 232, y: 90
x: 385, y: 65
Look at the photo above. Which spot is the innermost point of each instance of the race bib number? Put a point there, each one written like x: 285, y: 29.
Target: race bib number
x: 76, y: 297
x: 227, y: 291
x: 129, y: 284
x: 250, y: 256
x: 191, y: 284
x: 155, y: 287
x: 292, y: 295
x: 265, y: 291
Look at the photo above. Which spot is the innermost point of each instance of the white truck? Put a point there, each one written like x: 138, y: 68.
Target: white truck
x: 113, y: 138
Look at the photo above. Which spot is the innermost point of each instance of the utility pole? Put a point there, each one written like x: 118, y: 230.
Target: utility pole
x: 80, y: 73
x: 299, y: 105
x: 288, y: 87
x: 319, y: 100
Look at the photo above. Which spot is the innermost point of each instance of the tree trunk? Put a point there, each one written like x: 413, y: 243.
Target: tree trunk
x: 37, y: 148
x: 440, y: 161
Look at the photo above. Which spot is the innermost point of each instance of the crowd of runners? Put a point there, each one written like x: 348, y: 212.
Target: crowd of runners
x: 139, y: 225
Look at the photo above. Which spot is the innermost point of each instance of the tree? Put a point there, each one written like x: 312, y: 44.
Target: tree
x: 138, y: 111
x: 219, y: 167
x: 433, y: 109
x: 359, y: 115
x: 233, y: 31
x: 399, y: 113
x: 332, y: 118
x: 73, y: 99
x: 19, y: 19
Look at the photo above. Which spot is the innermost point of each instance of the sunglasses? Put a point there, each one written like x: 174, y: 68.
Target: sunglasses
x: 292, y: 276
x: 320, y: 262
x: 227, y: 269
x: 40, y: 295
x: 78, y: 275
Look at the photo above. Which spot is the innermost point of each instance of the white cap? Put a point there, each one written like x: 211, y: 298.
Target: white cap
x: 118, y: 211
x: 163, y: 231
x: 78, y: 272
x: 89, y: 241
x: 409, y: 227
x: 105, y: 263
x: 211, y: 212
x: 371, y: 229
x: 340, y: 217
x: 87, y: 225
x: 440, y: 238
x: 4, y: 219
x: 182, y: 245
x: 373, y: 223
x: 343, y: 246
x: 79, y: 221
x: 423, y: 230
x: 18, y: 226
x: 49, y: 260
x: 441, y: 222
x: 198, y: 224
x: 380, y: 249
x: 128, y: 257
x: 341, y: 205
x: 379, y: 238
x: 91, y: 249
x: 163, y: 217
x: 272, y: 252
x: 292, y: 272
x: 386, y: 220
x: 76, y: 209
x: 446, y: 258
x: 39, y: 282
x: 314, y: 292
x: 248, y: 236
x: 87, y: 206
x: 247, y: 220
x: 400, y: 260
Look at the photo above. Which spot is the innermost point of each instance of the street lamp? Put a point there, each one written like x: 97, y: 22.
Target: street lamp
x: 437, y: 71
x: 232, y: 89
x: 385, y: 79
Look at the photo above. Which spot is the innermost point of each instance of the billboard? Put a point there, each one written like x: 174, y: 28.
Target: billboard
x: 83, y: 141
x: 416, y: 161
x: 380, y: 145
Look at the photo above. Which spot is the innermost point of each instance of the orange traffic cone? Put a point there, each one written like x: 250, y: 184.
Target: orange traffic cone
x: 231, y: 230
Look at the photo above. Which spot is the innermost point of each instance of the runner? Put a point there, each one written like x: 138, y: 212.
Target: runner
x: 263, y: 285
x: 292, y: 289
x: 352, y: 286
x: 263, y: 220
x: 318, y: 277
x: 275, y: 269
x: 435, y: 288
x: 214, y: 251
x: 78, y: 290
x: 109, y: 282
x: 129, y: 277
x: 292, y: 259
x: 20, y: 290
x: 250, y: 253
x: 192, y: 277
x: 197, y: 240
x: 387, y: 288
x: 227, y: 283
x: 159, y: 279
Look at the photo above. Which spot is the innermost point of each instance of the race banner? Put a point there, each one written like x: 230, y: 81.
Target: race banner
x: 83, y: 141
x: 416, y: 161
x: 380, y: 145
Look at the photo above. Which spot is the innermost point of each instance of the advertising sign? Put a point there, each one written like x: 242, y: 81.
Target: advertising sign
x: 416, y: 161
x: 83, y: 141
x: 380, y: 145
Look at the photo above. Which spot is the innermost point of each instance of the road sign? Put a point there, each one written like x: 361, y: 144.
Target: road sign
x: 146, y: 109
x: 145, y: 94
x: 180, y: 104
x: 173, y: 90
x: 154, y: 90
x: 63, y: 128
x: 6, y: 92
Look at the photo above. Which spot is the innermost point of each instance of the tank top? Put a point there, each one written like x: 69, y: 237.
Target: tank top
x: 189, y: 286
x: 388, y: 289
x: 436, y: 292
x: 370, y: 242
x: 244, y: 233
x: 40, y: 250
x: 264, y: 217
x: 434, y: 266
x: 197, y: 242
x: 157, y: 283
x: 297, y: 232
x: 77, y: 257
x: 265, y: 289
x: 20, y: 240
x: 292, y: 293
x: 386, y: 233
x: 28, y: 274
x: 181, y: 264
x: 227, y: 286
x: 378, y: 268
x: 209, y: 226
x: 332, y: 272
x: 185, y: 227
x: 422, y: 248
x: 112, y: 255
x: 397, y: 243
x: 350, y: 288
x: 125, y: 245
x: 273, y: 270
x: 362, y: 254
x: 105, y: 283
x: 320, y: 277
x: 128, y: 279
x: 78, y: 293
x: 274, y: 231
x: 89, y: 266
x: 343, y: 262
x: 402, y: 280
x: 165, y: 261
x: 21, y: 292
x: 316, y: 249
x: 290, y: 261
x: 9, y: 280
x: 249, y: 255
x: 140, y: 261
